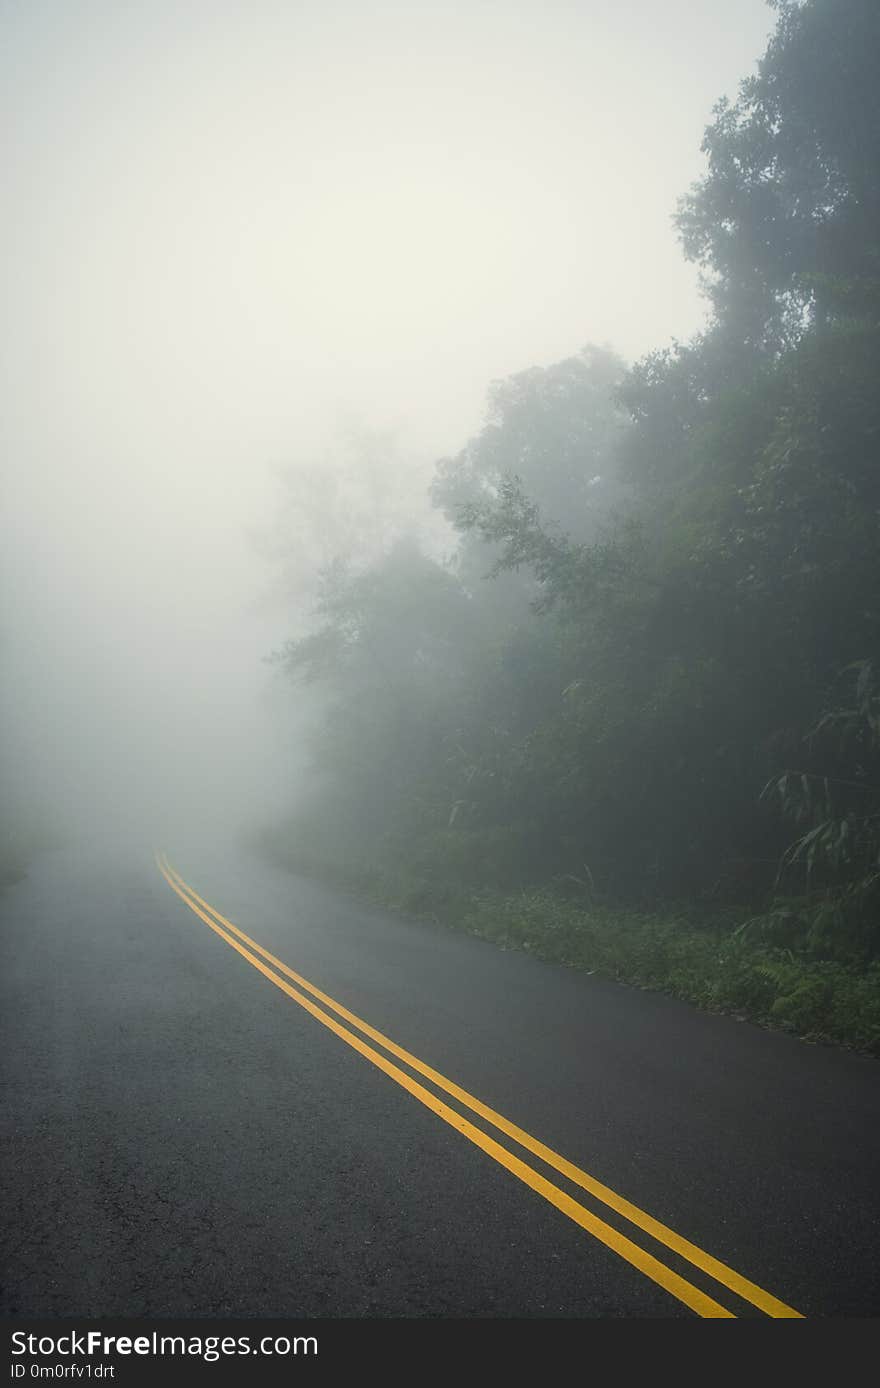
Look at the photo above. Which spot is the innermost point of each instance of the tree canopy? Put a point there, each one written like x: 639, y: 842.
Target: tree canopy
x: 655, y: 655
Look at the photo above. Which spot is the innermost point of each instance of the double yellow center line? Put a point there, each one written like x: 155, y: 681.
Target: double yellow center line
x: 353, y: 1033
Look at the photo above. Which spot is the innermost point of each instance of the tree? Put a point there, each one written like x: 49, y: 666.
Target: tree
x: 554, y: 428
x: 684, y: 558
x: 786, y: 221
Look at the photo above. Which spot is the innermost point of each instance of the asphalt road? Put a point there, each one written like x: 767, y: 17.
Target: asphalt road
x: 182, y: 1137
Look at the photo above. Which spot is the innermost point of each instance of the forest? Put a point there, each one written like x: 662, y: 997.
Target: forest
x: 630, y: 720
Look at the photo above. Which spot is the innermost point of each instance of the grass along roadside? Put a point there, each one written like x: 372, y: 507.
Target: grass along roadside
x: 720, y: 964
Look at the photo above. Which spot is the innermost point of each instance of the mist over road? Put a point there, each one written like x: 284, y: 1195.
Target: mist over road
x: 183, y: 1138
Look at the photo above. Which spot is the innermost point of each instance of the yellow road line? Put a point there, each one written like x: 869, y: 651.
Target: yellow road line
x: 763, y: 1300
x: 652, y: 1268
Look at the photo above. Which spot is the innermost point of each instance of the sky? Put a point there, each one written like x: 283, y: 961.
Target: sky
x: 260, y: 262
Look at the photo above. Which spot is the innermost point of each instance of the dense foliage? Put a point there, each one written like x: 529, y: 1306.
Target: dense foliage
x: 650, y: 674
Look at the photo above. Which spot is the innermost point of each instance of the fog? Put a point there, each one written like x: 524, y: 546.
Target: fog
x: 261, y: 262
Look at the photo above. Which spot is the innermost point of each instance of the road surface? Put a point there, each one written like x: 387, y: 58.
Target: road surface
x: 233, y: 1092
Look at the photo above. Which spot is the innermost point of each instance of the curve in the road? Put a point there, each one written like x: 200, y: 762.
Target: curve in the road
x: 277, y: 972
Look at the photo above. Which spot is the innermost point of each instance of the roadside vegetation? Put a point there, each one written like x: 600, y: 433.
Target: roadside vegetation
x: 632, y: 721
x: 759, y: 968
